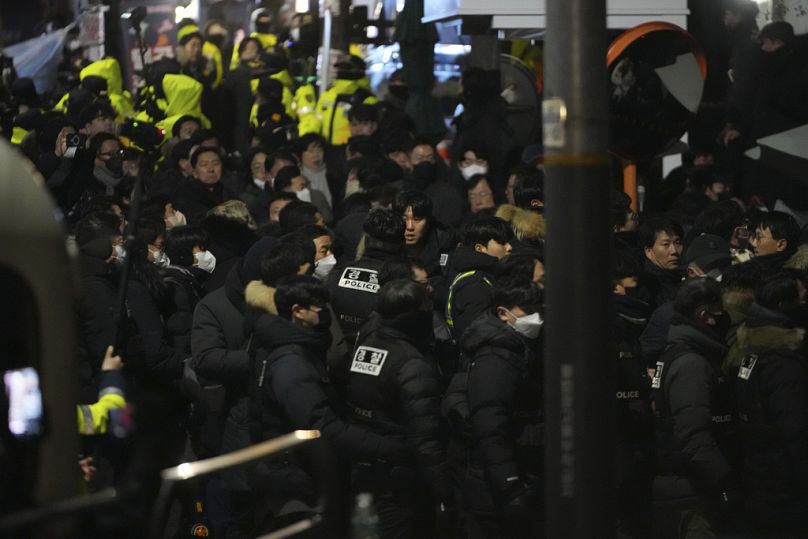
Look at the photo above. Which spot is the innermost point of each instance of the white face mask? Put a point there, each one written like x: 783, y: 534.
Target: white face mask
x: 119, y: 254
x: 205, y: 260
x: 471, y: 170
x: 304, y: 194
x: 161, y: 259
x: 324, y: 266
x: 178, y: 219
x: 351, y: 187
x: 529, y: 325
x: 294, y: 34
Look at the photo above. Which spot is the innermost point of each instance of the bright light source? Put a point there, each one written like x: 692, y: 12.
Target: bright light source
x: 302, y: 6
x: 400, y: 5
x: 191, y: 11
x: 372, y: 32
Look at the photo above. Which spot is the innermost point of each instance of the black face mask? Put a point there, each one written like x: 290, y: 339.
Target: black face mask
x: 400, y: 92
x: 217, y: 39
x: 263, y: 27
x: 424, y: 171
x: 722, y: 324
x: 115, y: 165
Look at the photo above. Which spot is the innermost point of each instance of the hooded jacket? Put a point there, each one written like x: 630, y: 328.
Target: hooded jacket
x: 395, y: 391
x: 528, y: 226
x: 695, y: 410
x: 505, y: 403
x: 332, y: 108
x: 773, y: 412
x: 470, y: 292
x: 292, y: 386
x: 110, y: 70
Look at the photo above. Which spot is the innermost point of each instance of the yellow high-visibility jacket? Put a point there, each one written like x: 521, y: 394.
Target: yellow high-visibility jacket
x: 333, y: 106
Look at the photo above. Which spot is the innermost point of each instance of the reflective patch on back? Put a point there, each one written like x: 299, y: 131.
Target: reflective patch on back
x: 368, y: 360
x: 361, y: 279
x: 444, y: 258
x: 747, y: 365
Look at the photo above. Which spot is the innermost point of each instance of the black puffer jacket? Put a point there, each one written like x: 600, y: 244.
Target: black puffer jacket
x: 97, y: 300
x: 395, y: 391
x: 660, y: 284
x: 194, y: 199
x: 773, y: 409
x: 696, y: 434
x: 469, y: 296
x: 434, y: 251
x: 186, y: 291
x: 293, y: 390
x: 505, y: 404
x: 220, y: 359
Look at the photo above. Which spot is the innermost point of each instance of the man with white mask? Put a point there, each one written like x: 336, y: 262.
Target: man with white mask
x: 324, y: 259
x: 291, y: 180
x: 472, y: 161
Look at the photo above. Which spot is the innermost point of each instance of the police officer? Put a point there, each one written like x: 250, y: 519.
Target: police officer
x: 695, y: 492
x: 395, y: 391
x: 354, y: 284
x: 501, y: 490
x: 772, y: 408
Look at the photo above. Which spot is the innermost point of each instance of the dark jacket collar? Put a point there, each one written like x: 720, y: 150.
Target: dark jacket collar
x: 701, y: 339
x: 467, y: 259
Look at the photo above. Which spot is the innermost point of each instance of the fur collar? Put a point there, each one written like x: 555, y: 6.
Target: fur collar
x: 259, y: 295
x: 751, y: 339
x: 526, y: 224
x: 800, y: 259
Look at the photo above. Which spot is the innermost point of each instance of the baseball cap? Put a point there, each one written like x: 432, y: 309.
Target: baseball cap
x: 706, y: 249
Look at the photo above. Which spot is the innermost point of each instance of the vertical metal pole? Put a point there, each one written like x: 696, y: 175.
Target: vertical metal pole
x: 325, y: 59
x: 579, y: 362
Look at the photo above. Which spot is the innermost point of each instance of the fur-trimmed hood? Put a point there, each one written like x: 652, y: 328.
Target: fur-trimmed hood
x: 800, y: 259
x: 261, y: 296
x: 526, y: 224
x: 757, y: 339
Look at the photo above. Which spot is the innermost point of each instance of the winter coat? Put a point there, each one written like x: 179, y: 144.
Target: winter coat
x: 773, y: 412
x: 661, y: 284
x: 228, y: 240
x: 696, y: 436
x: 434, y: 251
x: 505, y: 403
x: 96, y: 312
x: 186, y: 291
x: 221, y: 361
x: 394, y: 390
x: 470, y: 295
x: 449, y: 202
x: 194, y: 199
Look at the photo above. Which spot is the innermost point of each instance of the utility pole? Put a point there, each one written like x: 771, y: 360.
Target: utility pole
x: 579, y: 361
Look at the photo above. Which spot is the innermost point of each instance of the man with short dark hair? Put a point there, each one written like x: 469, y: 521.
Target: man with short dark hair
x: 485, y: 241
x: 395, y: 390
x: 424, y: 238
x: 205, y: 189
x: 775, y: 239
x: 695, y: 490
x: 661, y: 241
x: 97, y: 117
x: 504, y: 390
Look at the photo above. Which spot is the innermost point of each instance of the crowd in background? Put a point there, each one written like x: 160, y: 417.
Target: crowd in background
x: 303, y: 259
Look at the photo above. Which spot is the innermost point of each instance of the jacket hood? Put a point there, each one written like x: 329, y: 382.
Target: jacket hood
x: 184, y: 95
x: 274, y: 331
x: 526, y: 224
x: 260, y: 296
x: 91, y: 266
x: 467, y: 259
x: 346, y: 86
x: 110, y: 70
x: 765, y: 329
x: 632, y: 310
x: 684, y: 331
x: 800, y: 259
x: 284, y: 78
x: 491, y: 331
x: 234, y: 289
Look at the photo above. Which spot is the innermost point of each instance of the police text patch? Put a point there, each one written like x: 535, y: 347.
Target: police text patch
x: 360, y: 279
x: 656, y: 381
x: 368, y: 360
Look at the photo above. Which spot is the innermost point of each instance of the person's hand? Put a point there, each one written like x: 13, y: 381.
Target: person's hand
x: 111, y: 362
x: 87, y: 468
x: 61, y: 141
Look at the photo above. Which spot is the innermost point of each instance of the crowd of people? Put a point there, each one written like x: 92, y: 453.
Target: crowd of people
x: 311, y: 262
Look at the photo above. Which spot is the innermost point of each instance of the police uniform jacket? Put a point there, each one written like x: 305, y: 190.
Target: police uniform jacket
x: 773, y: 414
x: 395, y: 390
x: 470, y: 291
x: 696, y: 436
x: 353, y: 286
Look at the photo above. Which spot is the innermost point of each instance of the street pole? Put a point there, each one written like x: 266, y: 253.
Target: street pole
x: 579, y: 362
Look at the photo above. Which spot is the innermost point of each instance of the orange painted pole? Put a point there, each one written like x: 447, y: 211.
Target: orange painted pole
x: 630, y: 183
